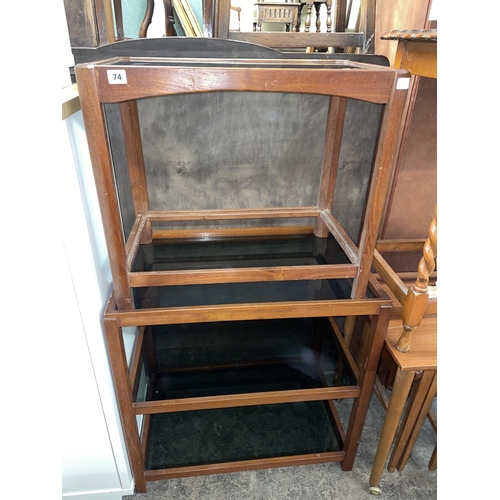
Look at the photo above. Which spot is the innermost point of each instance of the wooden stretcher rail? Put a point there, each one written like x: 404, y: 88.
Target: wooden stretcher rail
x: 407, y: 276
x: 239, y: 312
x: 264, y: 463
x: 206, y: 234
x: 343, y: 239
x: 346, y: 352
x: 409, y: 245
x: 243, y: 275
x: 239, y: 214
x: 395, y: 283
x: 239, y: 400
x: 377, y: 288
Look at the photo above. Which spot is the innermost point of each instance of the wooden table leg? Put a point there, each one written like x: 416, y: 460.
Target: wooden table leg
x: 406, y: 429
x: 400, y: 391
x: 116, y: 350
x: 368, y: 372
x: 433, y: 460
x: 433, y: 421
x: 431, y: 393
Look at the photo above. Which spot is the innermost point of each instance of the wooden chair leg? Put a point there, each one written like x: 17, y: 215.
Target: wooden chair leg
x: 400, y: 391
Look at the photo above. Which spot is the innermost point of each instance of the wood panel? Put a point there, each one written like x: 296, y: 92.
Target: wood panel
x: 414, y: 193
x: 91, y: 23
x: 82, y: 28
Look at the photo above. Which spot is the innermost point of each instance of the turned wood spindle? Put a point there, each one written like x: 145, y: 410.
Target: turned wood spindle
x: 416, y: 300
x: 317, y: 6
x: 329, y: 16
x: 308, y: 17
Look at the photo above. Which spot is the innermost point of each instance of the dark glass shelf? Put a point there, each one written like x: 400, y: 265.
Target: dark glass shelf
x: 241, y: 293
x: 247, y: 433
x: 236, y: 380
x: 213, y: 359
x: 238, y: 252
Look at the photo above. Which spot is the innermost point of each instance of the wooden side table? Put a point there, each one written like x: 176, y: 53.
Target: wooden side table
x: 422, y: 358
x: 417, y: 51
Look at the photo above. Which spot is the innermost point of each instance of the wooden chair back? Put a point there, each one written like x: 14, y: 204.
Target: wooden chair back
x: 216, y: 24
x: 415, y: 300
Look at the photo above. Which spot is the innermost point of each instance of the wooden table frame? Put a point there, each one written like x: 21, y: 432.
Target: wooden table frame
x: 417, y: 51
x: 351, y: 80
x: 147, y: 77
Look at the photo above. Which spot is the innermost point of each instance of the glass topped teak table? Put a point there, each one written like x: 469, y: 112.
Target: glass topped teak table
x: 255, y: 311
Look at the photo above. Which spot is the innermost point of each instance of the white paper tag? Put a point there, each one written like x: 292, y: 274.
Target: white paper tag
x: 403, y: 84
x: 117, y: 76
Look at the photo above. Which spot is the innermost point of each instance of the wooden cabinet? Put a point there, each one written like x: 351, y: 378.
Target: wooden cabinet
x: 256, y: 311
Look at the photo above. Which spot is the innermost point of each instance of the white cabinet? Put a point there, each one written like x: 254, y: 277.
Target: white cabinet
x: 94, y: 459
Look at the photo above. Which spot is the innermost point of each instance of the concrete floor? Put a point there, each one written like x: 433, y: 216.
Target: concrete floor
x: 314, y: 482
